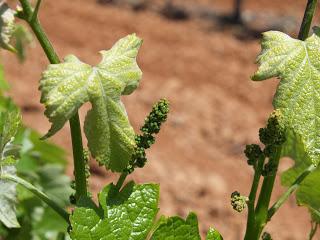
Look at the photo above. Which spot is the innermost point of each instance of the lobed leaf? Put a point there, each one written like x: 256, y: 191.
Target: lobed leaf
x: 67, y: 86
x: 297, y: 65
x: 128, y: 214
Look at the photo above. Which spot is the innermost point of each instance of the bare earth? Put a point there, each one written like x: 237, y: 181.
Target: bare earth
x: 215, y: 111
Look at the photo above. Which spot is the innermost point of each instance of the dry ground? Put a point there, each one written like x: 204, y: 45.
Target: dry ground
x: 216, y: 109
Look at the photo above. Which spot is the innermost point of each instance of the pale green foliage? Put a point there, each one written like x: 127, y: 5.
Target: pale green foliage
x: 297, y: 65
x: 9, y: 124
x: 308, y: 193
x: 7, y: 26
x: 67, y: 86
x: 128, y: 214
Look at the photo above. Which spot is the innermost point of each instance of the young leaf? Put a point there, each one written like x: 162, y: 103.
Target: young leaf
x: 128, y: 214
x: 67, y: 86
x: 308, y: 193
x: 297, y: 65
x: 9, y: 124
x: 178, y: 229
x: 7, y: 26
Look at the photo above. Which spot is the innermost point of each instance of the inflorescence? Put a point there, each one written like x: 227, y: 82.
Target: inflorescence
x: 238, y: 202
x: 152, y: 125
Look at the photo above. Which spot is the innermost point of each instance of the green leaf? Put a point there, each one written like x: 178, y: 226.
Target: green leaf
x: 297, y: 65
x: 67, y: 86
x: 41, y: 152
x: 9, y: 125
x: 213, y: 235
x: 308, y: 193
x: 3, y: 84
x: 21, y: 39
x: 55, y: 183
x: 128, y: 214
x: 7, y: 26
x: 175, y: 228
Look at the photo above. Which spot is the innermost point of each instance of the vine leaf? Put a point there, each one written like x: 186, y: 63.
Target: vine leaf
x: 67, y: 86
x: 128, y: 214
x: 10, y: 121
x: 297, y: 65
x: 178, y: 229
x: 7, y: 26
x: 308, y: 193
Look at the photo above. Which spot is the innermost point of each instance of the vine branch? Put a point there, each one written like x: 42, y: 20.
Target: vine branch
x: 275, y: 207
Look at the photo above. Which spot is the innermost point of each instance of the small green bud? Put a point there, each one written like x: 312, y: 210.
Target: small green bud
x: 151, y: 126
x: 72, y: 199
x: 157, y: 116
x: 266, y: 236
x: 253, y: 152
x: 73, y: 184
x: 269, y: 169
x: 238, y: 202
x: 274, y: 132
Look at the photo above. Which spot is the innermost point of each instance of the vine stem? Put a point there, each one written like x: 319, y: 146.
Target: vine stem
x: 314, y: 227
x: 307, y: 19
x: 63, y: 213
x: 290, y: 190
x: 252, y: 197
x: 261, y: 211
x: 30, y: 16
x: 121, y: 180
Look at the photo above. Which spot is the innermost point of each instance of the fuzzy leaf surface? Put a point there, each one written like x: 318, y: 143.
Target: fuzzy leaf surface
x: 125, y: 215
x: 10, y: 121
x: 297, y: 65
x: 67, y: 86
x: 7, y: 26
x: 308, y: 193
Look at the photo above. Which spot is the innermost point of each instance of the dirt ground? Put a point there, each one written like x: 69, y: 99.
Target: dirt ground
x: 215, y: 109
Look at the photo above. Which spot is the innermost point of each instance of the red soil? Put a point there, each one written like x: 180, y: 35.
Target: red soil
x: 215, y: 108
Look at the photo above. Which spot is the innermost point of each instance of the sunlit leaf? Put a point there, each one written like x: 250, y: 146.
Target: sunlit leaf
x: 297, y: 65
x: 67, y: 86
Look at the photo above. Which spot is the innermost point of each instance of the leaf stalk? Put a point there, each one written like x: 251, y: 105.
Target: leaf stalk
x: 45, y: 198
x: 275, y: 207
x: 307, y: 19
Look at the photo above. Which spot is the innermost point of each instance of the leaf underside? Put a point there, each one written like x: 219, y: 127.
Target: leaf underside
x: 67, y: 86
x: 297, y: 65
x: 308, y: 193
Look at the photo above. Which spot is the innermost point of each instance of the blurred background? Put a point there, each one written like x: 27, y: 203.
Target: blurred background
x: 199, y: 54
